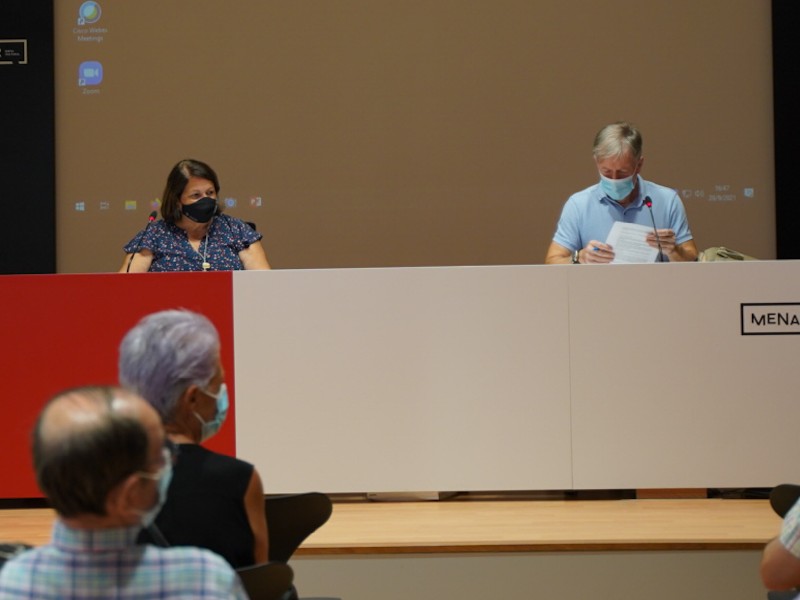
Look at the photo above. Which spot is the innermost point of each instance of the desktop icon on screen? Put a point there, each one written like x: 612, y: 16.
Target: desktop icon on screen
x: 90, y: 73
x: 89, y: 13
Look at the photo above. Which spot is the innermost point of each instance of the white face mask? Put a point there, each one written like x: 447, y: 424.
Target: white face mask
x: 617, y: 189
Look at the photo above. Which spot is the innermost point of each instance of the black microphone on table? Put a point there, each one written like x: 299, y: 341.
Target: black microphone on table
x: 150, y: 219
x: 649, y: 204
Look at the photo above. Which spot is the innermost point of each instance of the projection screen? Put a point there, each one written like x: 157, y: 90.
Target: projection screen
x: 406, y: 133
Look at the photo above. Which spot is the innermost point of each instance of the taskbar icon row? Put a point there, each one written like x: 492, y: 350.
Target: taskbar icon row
x: 134, y: 205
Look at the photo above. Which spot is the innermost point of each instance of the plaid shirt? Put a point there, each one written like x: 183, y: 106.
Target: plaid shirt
x: 790, y: 531
x: 107, y: 563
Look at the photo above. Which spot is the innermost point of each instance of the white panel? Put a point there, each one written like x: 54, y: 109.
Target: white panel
x: 404, y: 379
x: 666, y: 392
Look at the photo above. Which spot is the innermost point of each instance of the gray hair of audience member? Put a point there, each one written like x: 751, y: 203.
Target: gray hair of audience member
x: 78, y: 465
x: 617, y: 139
x: 165, y: 353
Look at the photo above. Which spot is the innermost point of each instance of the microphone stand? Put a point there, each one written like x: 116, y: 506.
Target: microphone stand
x: 139, y: 237
x: 649, y: 204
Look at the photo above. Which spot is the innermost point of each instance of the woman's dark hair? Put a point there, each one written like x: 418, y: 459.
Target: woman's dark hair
x: 176, y: 183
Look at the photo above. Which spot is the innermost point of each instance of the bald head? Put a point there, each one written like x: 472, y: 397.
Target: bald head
x: 88, y: 440
x: 76, y: 411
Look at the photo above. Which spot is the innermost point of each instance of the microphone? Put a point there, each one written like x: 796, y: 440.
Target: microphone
x: 150, y: 219
x: 649, y: 204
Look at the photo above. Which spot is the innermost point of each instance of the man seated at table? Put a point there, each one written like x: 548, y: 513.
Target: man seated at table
x: 101, y: 460
x: 621, y: 195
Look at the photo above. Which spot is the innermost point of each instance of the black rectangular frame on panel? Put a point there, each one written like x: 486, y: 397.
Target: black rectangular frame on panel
x: 27, y: 151
x: 785, y: 47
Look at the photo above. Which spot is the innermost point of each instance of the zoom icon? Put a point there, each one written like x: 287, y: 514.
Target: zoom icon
x: 90, y: 73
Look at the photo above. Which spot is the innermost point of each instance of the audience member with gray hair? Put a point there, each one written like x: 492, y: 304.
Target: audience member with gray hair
x: 172, y: 359
x: 101, y: 460
x: 620, y: 195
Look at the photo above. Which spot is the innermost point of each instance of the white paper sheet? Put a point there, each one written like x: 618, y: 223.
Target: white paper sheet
x: 629, y: 242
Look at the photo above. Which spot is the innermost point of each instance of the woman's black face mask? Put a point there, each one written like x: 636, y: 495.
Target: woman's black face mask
x: 201, y: 211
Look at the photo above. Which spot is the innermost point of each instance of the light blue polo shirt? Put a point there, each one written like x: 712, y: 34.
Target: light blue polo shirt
x: 590, y: 214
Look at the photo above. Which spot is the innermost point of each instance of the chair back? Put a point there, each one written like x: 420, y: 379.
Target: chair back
x: 267, y: 581
x: 9, y: 550
x: 783, y: 497
x: 785, y: 595
x: 291, y: 519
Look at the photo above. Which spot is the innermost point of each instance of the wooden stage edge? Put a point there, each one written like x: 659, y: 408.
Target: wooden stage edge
x: 465, y: 525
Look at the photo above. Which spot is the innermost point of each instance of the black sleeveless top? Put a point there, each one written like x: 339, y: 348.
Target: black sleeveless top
x: 205, y: 505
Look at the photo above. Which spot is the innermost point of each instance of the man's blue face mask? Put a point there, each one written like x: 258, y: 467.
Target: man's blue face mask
x: 617, y: 189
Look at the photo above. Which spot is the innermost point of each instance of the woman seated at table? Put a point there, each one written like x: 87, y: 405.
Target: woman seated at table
x: 193, y: 234
x: 172, y: 359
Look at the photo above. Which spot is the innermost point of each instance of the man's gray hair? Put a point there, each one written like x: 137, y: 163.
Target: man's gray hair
x: 617, y: 139
x: 165, y: 353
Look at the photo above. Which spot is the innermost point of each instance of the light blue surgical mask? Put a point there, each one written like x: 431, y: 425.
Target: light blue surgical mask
x: 617, y: 189
x: 163, y: 477
x: 210, y: 428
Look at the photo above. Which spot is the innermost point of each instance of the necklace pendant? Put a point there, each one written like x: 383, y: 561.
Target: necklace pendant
x: 206, y: 266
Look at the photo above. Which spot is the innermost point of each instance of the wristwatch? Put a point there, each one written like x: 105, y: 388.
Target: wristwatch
x: 576, y: 259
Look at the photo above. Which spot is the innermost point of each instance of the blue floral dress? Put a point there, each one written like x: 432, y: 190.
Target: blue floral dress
x: 227, y: 236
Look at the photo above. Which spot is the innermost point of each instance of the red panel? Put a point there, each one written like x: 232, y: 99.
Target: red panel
x: 61, y: 331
